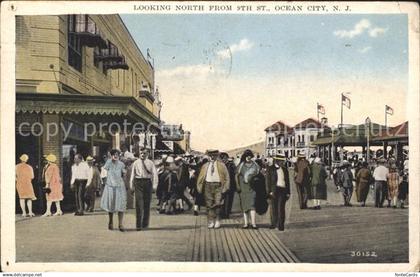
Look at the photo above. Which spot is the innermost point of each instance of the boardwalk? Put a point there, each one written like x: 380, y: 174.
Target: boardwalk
x: 315, y: 236
x: 233, y: 244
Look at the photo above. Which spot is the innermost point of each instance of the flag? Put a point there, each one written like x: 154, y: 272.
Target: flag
x: 389, y: 110
x: 345, y: 101
x: 321, y: 109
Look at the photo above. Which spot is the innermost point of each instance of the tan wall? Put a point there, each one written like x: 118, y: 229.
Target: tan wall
x: 41, y: 41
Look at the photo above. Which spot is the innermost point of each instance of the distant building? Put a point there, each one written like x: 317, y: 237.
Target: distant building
x: 305, y: 134
x: 290, y: 141
x: 279, y: 139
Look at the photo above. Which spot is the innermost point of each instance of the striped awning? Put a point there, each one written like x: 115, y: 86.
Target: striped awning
x: 55, y: 103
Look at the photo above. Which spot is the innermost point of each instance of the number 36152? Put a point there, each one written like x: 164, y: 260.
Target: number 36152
x: 363, y: 254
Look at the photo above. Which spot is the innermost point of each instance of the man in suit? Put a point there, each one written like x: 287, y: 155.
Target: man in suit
x: 230, y: 193
x: 302, y: 178
x: 214, y: 181
x: 278, y: 190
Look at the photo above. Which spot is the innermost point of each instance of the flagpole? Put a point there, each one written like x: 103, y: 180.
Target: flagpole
x: 385, y: 117
x: 341, y: 100
x: 317, y: 110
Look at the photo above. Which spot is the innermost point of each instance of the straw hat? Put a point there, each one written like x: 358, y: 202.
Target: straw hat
x: 90, y: 159
x: 301, y: 154
x: 24, y: 158
x: 51, y: 158
x: 279, y: 157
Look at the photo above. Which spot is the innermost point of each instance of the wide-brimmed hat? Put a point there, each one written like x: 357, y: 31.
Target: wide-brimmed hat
x: 169, y: 159
x: 279, y: 157
x: 51, y: 158
x: 301, y: 155
x: 24, y: 158
x: 90, y: 159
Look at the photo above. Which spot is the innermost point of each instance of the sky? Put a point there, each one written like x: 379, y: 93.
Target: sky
x: 227, y: 77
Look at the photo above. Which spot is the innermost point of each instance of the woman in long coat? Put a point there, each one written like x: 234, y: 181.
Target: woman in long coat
x: 114, y: 197
x: 53, y: 182
x: 24, y: 177
x: 363, y: 181
x: 318, y: 190
x: 246, y: 170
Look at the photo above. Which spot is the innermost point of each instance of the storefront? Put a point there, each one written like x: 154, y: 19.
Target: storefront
x: 64, y: 125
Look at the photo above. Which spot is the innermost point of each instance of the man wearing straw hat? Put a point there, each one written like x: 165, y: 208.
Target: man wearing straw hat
x: 302, y: 178
x: 278, y: 190
x: 214, y: 181
x: 94, y: 181
x: 79, y: 179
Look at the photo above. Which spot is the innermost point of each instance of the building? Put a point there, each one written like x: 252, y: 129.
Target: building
x: 79, y: 80
x: 305, y: 133
x: 290, y: 141
x: 173, y: 140
x: 279, y: 139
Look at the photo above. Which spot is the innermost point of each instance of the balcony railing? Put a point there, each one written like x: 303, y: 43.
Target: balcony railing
x: 300, y: 144
x: 85, y: 28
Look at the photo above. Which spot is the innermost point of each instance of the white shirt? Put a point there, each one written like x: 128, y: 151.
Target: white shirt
x: 139, y: 171
x: 280, y: 178
x: 80, y: 172
x: 380, y: 173
x: 103, y: 172
x: 212, y: 178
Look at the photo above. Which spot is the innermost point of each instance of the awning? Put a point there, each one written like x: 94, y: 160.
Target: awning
x: 162, y: 148
x: 324, y: 141
x: 55, y: 103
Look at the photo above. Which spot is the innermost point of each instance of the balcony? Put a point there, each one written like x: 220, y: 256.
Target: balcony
x: 116, y: 64
x: 82, y: 26
x: 109, y: 54
x: 300, y: 144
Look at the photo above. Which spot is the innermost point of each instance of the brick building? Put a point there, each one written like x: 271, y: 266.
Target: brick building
x: 79, y: 73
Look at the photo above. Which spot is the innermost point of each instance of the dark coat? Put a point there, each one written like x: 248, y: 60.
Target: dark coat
x: 302, y: 172
x: 231, y: 169
x: 271, y: 179
x: 318, y: 185
x: 167, y: 186
x: 258, y: 184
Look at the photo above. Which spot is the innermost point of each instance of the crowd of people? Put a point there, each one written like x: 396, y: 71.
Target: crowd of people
x: 189, y: 182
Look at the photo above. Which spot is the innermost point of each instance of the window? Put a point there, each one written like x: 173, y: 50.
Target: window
x: 97, y: 63
x: 74, y: 45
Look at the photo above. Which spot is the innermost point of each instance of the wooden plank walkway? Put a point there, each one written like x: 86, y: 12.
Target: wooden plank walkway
x: 231, y: 243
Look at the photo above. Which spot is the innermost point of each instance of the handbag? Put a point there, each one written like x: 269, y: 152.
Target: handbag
x: 46, y: 190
